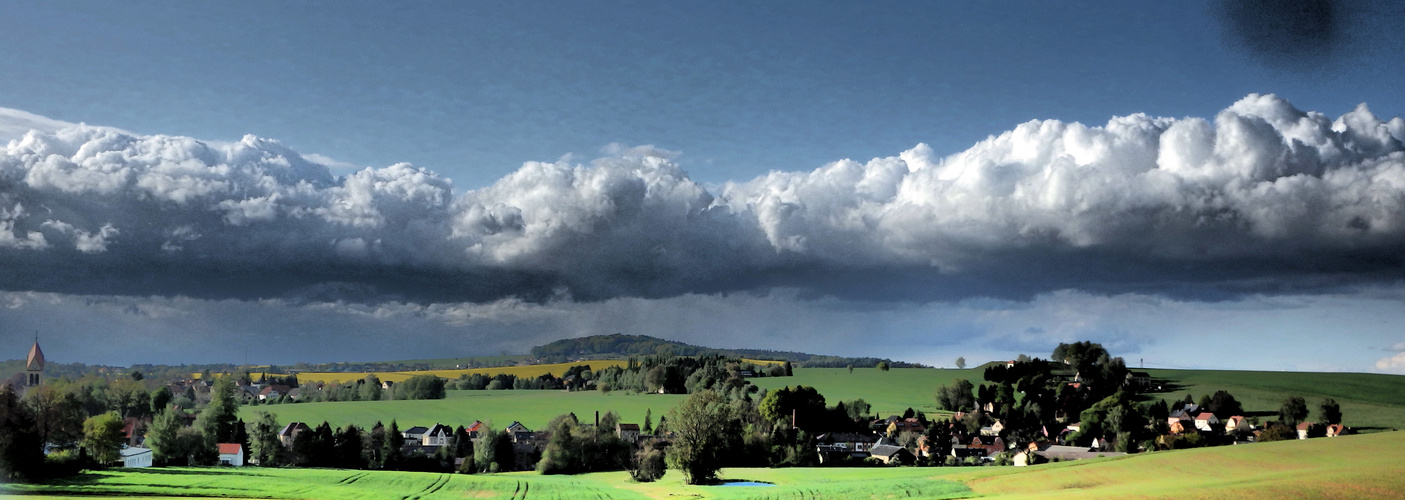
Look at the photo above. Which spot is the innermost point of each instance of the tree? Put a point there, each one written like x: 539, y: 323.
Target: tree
x: 1329, y: 413
x: 883, y: 365
x: 1223, y: 405
x: 370, y: 388
x: 58, y: 414
x: 1293, y: 411
x: 163, y: 437
x: 161, y: 399
x: 102, y: 437
x: 648, y: 421
x: 649, y: 464
x: 493, y: 452
x: 21, y: 449
x: 961, y: 363
x: 264, y: 444
x: 957, y: 396
x: 391, y: 457
x: 700, y: 426
x: 219, y: 419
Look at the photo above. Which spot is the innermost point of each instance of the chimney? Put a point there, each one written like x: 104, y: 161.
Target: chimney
x: 792, y: 419
x: 597, y: 419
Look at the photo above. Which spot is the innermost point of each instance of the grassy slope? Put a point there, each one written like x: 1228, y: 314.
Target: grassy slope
x: 1365, y: 466
x: 888, y: 392
x: 519, y: 371
x: 1367, y: 400
x: 533, y: 408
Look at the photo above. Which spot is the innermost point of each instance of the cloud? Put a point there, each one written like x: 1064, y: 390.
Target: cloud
x: 1263, y: 197
x: 1394, y: 363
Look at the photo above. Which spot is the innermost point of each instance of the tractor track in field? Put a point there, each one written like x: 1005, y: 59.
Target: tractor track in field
x: 439, y: 482
x: 352, y: 478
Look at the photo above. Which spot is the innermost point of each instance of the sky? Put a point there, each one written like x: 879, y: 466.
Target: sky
x: 1216, y: 185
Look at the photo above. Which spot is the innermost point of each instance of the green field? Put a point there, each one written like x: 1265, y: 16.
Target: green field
x: 1369, y: 402
x: 1365, y: 466
x: 889, y: 392
x: 533, y: 408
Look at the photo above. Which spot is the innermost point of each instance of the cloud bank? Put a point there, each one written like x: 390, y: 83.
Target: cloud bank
x: 1262, y: 197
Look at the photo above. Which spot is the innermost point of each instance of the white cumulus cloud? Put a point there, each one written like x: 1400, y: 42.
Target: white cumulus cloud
x: 1261, y: 191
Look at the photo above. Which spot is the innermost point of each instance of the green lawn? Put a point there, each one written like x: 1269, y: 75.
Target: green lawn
x: 533, y: 408
x: 888, y: 392
x: 1369, y: 401
x: 1364, y: 466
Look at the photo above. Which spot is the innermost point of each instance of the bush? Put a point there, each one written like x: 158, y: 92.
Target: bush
x: 649, y: 465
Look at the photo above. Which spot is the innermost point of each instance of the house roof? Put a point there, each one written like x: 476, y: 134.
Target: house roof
x: 36, y: 358
x: 418, y: 429
x: 629, y: 427
x: 885, y: 450
x: 477, y: 426
x: 293, y: 427
x: 441, y: 429
x: 230, y: 448
x: 1205, y: 416
x: 518, y: 427
x: 133, y: 451
x: 1304, y: 426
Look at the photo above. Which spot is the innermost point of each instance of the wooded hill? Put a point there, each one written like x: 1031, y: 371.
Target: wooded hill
x: 619, y: 346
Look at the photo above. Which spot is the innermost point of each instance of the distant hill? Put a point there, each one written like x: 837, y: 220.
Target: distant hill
x: 620, y: 345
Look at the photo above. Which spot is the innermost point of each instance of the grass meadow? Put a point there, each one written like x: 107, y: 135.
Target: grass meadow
x: 1370, y: 402
x: 889, y: 392
x: 1362, y: 466
x: 533, y: 408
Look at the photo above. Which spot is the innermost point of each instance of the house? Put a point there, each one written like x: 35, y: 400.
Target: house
x: 273, y: 392
x: 848, y: 441
x: 1065, y: 453
x: 414, y: 434
x: 437, y: 436
x: 231, y: 454
x: 1138, y: 379
x: 134, y: 431
x: 1303, y: 429
x: 520, y: 433
x: 476, y: 429
x: 629, y: 433
x: 892, y: 454
x: 134, y: 457
x: 291, y: 432
x: 1235, y: 422
x: 899, y: 426
x: 1335, y: 430
x: 1205, y: 420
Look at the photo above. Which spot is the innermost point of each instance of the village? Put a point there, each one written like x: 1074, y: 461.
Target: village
x: 192, y: 421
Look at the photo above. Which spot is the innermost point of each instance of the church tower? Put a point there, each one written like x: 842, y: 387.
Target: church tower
x: 34, y: 367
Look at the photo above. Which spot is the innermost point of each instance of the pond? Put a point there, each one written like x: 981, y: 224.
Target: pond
x: 744, y: 483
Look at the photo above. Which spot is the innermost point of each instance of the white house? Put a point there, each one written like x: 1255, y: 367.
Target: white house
x: 1204, y: 420
x: 232, y: 454
x: 136, y: 457
x: 437, y: 436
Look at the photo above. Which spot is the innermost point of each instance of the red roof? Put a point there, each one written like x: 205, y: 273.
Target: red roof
x: 230, y: 448
x: 1205, y: 416
x: 1304, y: 426
x: 477, y: 426
x: 36, y: 358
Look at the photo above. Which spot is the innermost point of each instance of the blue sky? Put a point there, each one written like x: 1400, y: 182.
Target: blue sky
x: 472, y: 90
x: 689, y: 157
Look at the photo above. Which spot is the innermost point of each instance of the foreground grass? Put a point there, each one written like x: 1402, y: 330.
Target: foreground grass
x: 1365, y: 466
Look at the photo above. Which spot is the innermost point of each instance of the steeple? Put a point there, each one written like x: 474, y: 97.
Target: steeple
x: 34, y: 366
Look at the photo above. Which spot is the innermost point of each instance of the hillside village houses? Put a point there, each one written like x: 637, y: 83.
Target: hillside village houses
x: 892, y: 440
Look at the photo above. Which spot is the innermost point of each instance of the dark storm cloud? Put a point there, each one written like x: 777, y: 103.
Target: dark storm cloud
x: 1264, y: 197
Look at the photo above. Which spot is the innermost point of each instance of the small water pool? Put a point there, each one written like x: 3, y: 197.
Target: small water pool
x: 745, y: 483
